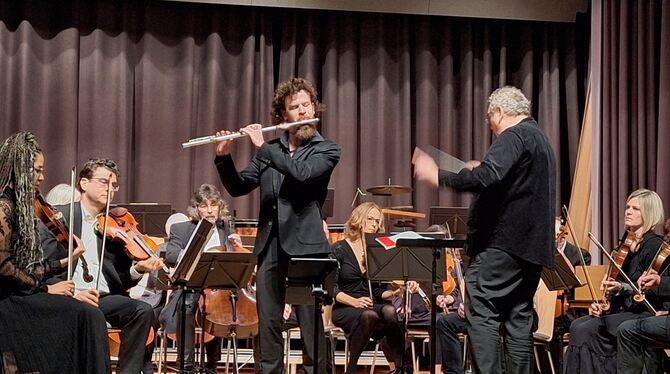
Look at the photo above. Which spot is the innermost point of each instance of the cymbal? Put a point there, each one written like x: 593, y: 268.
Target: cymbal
x: 388, y: 190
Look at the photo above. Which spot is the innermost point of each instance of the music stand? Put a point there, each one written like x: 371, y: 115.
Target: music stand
x: 411, y: 259
x: 198, y: 270
x: 563, y: 276
x: 311, y: 280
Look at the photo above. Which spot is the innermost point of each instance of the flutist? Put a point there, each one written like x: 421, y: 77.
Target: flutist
x: 292, y: 172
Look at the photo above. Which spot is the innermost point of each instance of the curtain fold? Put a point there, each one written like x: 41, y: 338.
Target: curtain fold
x: 132, y: 80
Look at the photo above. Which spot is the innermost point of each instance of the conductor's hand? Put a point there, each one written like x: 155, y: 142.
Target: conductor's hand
x: 149, y: 265
x: 88, y: 297
x: 362, y: 302
x: 255, y: 134
x: 471, y: 164
x: 649, y: 281
x: 595, y: 310
x: 65, y: 288
x: 223, y: 146
x: 425, y: 168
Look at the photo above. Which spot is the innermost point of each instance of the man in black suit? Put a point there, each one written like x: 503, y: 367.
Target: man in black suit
x: 119, y: 272
x: 293, y: 172
x: 208, y: 204
x: 510, y: 230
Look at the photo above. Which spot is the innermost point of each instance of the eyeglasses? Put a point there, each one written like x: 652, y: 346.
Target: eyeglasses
x: 105, y: 182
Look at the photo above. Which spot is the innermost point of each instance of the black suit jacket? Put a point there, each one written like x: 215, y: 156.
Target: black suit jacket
x: 115, y: 267
x: 181, y: 232
x: 293, y: 190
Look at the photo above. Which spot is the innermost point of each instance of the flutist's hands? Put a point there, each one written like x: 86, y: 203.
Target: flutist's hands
x: 425, y: 168
x: 255, y: 134
x: 223, y: 146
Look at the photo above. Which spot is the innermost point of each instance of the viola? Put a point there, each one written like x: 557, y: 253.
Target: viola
x: 628, y: 243
x: 122, y: 227
x: 656, y: 267
x: 51, y: 218
x: 230, y: 312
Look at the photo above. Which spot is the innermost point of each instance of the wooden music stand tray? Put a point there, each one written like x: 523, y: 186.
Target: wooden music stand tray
x: 583, y: 298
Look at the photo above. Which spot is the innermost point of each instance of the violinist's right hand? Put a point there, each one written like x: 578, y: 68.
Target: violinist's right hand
x: 88, y: 297
x: 65, y: 288
x: 223, y: 146
x: 595, y: 310
x: 610, y: 287
x: 649, y: 281
x: 362, y: 302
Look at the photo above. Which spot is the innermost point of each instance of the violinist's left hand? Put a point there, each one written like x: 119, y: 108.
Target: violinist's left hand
x: 611, y: 287
x: 149, y: 265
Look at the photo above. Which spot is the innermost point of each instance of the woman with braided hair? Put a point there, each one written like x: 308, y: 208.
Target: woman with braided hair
x: 42, y: 328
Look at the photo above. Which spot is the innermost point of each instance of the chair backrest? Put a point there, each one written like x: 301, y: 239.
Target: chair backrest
x: 545, y: 305
x: 596, y: 273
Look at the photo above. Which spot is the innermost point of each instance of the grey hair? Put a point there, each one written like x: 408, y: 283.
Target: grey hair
x: 511, y: 100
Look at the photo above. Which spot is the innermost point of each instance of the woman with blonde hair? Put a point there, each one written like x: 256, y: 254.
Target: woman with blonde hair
x: 362, y: 309
x: 593, y: 338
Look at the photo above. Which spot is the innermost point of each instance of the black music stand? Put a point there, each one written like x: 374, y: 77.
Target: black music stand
x: 311, y: 280
x: 198, y: 270
x: 563, y: 276
x: 411, y: 259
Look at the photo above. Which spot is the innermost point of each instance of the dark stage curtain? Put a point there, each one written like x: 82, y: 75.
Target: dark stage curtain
x: 635, y: 113
x: 132, y: 80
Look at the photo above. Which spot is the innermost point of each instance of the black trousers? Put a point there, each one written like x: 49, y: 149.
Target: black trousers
x: 642, y: 338
x: 448, y: 327
x: 212, y: 348
x: 135, y: 319
x: 500, y: 289
x: 271, y: 294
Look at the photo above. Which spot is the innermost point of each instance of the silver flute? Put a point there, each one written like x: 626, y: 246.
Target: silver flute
x: 213, y: 138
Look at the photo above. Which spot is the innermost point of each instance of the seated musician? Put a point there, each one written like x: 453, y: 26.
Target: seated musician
x: 43, y: 329
x: 208, y: 204
x: 362, y: 309
x: 593, y: 339
x: 666, y: 230
x: 645, y: 337
x: 119, y: 272
x: 568, y: 249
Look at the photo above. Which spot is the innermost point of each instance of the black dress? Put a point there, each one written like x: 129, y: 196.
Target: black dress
x: 593, y: 340
x: 40, y: 332
x: 353, y: 282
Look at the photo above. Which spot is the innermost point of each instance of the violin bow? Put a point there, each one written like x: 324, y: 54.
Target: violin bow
x: 104, y: 229
x: 592, y: 291
x: 70, y: 235
x: 625, y: 276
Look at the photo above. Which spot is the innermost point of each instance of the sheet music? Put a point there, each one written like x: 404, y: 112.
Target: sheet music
x: 446, y: 161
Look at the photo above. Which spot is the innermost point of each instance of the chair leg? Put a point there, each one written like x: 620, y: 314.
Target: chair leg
x: 287, y: 349
x: 346, y: 353
x: 537, y: 359
x: 374, y: 359
x: 415, y: 365
x: 551, y: 360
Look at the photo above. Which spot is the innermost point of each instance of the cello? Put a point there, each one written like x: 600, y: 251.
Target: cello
x: 230, y: 313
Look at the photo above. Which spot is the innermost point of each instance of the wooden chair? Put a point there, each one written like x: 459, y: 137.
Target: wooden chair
x: 545, y: 304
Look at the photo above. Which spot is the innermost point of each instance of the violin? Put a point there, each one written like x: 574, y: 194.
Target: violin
x: 628, y: 243
x: 122, y: 226
x: 51, y: 218
x: 656, y: 267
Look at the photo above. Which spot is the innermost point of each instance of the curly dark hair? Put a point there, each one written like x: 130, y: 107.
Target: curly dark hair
x: 290, y: 88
